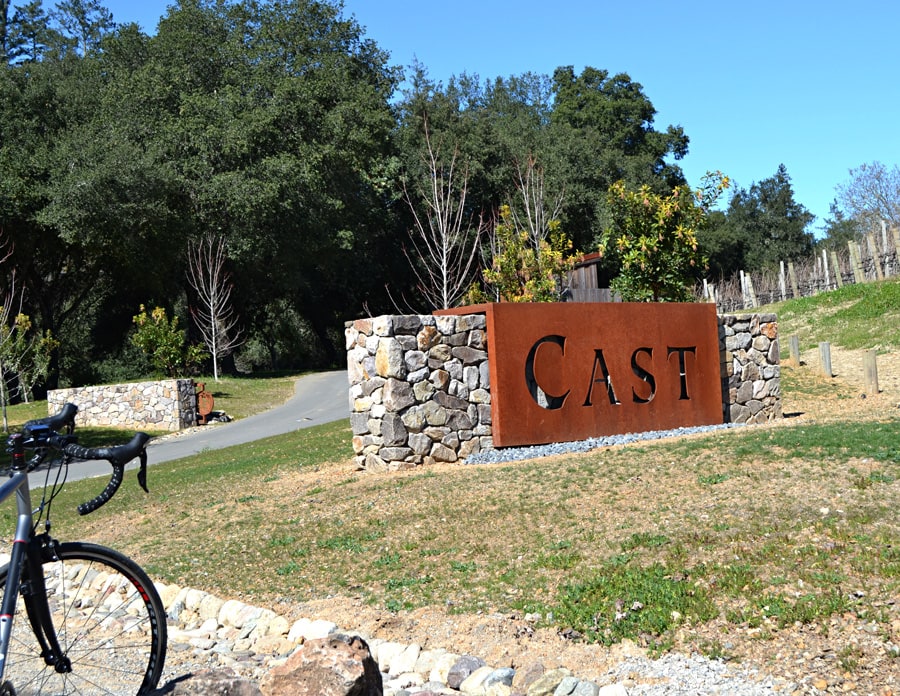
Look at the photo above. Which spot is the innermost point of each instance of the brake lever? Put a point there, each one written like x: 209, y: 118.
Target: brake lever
x: 142, y: 471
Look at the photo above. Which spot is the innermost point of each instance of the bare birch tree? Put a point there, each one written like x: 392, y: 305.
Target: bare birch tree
x: 872, y: 195
x: 214, y: 314
x: 24, y: 355
x: 445, y: 241
x: 533, y: 204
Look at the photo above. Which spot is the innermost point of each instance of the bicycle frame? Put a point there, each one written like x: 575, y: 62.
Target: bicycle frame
x: 26, y: 548
x: 18, y: 485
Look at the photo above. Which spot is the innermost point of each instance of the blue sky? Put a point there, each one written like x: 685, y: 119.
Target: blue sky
x: 812, y: 85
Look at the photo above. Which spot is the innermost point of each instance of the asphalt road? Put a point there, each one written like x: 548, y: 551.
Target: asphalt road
x: 318, y: 398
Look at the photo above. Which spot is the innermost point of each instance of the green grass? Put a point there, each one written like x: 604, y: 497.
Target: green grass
x: 629, y: 601
x: 855, y: 316
x: 534, y: 535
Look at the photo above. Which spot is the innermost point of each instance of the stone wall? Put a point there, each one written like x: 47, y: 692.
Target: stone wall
x: 165, y: 405
x: 751, y: 371
x: 420, y: 387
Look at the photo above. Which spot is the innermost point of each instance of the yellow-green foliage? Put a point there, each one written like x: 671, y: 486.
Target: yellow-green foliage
x: 653, y: 239
x: 24, y: 353
x: 522, y: 270
x: 164, y: 343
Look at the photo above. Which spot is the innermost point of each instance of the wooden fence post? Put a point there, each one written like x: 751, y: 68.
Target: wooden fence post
x: 825, y: 269
x: 751, y: 292
x: 794, y: 346
x: 870, y: 367
x: 858, y: 275
x: 782, y: 283
x: 873, y: 248
x: 891, y: 259
x: 825, y: 358
x: 795, y: 288
x: 837, y: 269
x: 895, y: 231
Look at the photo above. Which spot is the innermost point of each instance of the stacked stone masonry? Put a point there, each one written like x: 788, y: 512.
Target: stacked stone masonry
x: 751, y: 371
x: 165, y: 405
x: 420, y: 387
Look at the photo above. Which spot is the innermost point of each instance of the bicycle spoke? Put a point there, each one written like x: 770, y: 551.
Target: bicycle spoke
x: 110, y: 627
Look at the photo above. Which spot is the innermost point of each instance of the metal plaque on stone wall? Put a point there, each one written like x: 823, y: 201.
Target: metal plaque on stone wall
x: 568, y: 371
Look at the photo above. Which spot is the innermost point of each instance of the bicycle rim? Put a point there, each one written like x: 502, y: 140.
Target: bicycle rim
x: 109, y: 621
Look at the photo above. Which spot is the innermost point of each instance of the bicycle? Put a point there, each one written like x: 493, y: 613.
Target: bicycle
x: 97, y: 624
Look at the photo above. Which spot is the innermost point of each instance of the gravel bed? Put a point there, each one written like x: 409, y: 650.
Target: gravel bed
x: 510, y: 454
x: 675, y: 674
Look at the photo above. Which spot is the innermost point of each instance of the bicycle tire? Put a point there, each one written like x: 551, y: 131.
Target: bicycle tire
x: 109, y: 620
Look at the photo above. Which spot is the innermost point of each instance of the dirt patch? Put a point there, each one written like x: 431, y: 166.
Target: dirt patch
x: 845, y: 395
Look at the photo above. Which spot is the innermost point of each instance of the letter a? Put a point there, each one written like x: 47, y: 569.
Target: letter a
x: 600, y: 361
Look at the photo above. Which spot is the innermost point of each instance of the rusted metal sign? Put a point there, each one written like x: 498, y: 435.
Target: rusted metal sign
x: 568, y: 371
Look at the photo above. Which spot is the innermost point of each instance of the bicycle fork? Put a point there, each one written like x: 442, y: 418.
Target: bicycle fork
x: 34, y: 595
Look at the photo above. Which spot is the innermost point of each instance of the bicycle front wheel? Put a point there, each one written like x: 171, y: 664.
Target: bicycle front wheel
x: 109, y: 621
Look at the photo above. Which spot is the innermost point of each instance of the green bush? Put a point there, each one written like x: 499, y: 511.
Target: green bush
x: 165, y: 344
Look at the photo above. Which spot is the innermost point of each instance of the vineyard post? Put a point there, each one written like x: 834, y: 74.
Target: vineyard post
x: 876, y: 259
x: 839, y: 279
x: 870, y: 367
x: 825, y: 358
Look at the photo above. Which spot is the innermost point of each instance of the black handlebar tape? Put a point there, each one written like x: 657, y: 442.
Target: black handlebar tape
x: 107, y: 493
x: 118, y: 456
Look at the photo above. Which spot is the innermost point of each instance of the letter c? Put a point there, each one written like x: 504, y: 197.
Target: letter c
x: 551, y: 403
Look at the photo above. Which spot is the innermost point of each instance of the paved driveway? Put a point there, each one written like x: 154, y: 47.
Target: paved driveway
x: 318, y: 398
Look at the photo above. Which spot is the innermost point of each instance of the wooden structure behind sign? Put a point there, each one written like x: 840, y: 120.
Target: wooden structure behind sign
x: 570, y: 371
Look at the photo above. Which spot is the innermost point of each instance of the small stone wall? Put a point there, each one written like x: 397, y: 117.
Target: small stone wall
x: 751, y: 371
x: 419, y: 389
x: 165, y: 405
x: 420, y: 386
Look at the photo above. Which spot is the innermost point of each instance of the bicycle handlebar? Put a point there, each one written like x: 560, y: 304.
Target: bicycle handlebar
x: 56, y: 422
x: 41, y: 432
x: 118, y: 456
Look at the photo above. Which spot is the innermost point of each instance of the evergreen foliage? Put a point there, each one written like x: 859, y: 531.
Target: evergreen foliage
x: 276, y: 127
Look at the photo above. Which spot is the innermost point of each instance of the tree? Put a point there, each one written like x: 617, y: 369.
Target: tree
x: 4, y: 29
x: 721, y: 246
x: 267, y: 124
x: 872, y: 195
x: 85, y: 21
x: 653, y: 239
x: 520, y: 270
x: 532, y: 210
x: 586, y: 130
x: 444, y: 240
x: 214, y: 315
x: 276, y: 121
x: 838, y: 230
x: 603, y: 126
x: 29, y: 34
x: 164, y: 343
x: 771, y: 223
x: 24, y: 354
